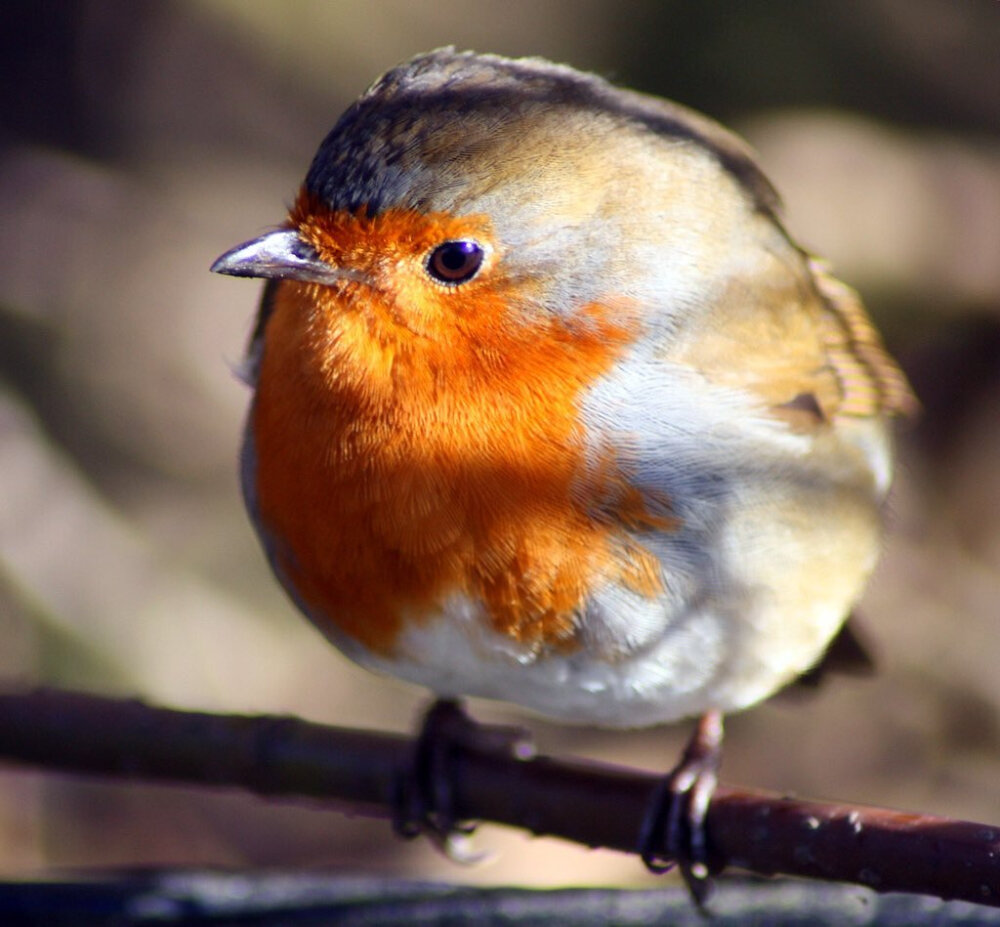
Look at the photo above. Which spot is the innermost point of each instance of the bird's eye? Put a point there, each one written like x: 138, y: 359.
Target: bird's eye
x: 455, y: 262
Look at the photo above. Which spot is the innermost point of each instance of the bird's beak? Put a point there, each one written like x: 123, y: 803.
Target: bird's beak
x: 281, y: 255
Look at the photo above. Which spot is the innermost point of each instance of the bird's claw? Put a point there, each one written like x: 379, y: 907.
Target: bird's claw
x: 427, y: 794
x: 673, y: 828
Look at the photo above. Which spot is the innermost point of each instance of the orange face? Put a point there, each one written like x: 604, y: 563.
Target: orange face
x: 416, y: 441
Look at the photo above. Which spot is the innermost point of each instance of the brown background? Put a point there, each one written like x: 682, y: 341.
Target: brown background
x: 140, y: 140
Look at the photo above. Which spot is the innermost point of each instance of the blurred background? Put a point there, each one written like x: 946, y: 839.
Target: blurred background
x: 140, y: 140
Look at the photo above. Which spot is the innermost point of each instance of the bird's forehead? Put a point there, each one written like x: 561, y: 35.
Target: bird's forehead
x: 447, y: 150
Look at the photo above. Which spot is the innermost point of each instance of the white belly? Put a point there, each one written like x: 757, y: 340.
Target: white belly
x: 761, y: 614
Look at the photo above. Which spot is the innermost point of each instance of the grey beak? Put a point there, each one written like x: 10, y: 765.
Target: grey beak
x: 280, y: 255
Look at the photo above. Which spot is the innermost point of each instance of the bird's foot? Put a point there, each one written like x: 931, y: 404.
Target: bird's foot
x: 429, y: 794
x: 673, y: 828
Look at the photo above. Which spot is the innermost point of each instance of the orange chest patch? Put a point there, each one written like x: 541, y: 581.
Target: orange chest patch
x: 397, y: 468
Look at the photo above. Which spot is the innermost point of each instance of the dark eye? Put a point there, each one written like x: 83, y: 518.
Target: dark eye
x: 455, y: 261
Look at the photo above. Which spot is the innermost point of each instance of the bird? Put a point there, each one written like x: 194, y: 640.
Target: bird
x: 549, y: 408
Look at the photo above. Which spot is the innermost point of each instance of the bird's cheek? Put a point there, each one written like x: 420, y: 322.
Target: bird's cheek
x: 407, y: 304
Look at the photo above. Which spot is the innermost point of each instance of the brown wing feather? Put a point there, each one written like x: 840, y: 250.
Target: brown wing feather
x: 871, y: 382
x: 803, y: 343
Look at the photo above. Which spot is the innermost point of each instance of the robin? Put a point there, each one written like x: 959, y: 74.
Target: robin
x: 549, y: 408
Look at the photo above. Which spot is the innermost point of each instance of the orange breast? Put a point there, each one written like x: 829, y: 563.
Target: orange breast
x: 414, y: 442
